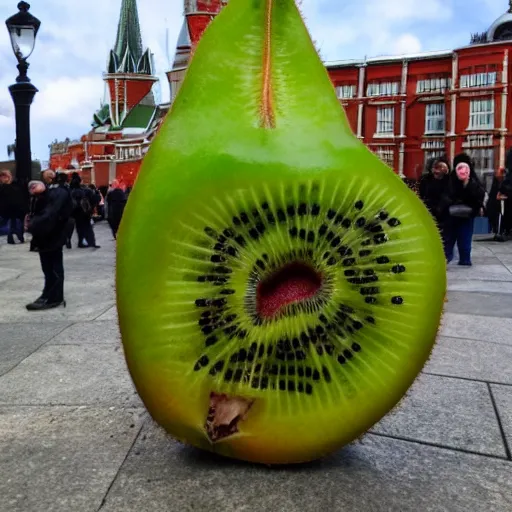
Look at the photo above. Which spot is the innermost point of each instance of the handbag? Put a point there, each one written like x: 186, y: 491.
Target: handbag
x: 461, y: 211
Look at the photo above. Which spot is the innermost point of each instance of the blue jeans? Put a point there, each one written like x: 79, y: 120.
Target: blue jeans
x: 459, y: 231
x: 15, y: 228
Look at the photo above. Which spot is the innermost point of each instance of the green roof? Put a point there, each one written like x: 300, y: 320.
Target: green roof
x: 139, y: 117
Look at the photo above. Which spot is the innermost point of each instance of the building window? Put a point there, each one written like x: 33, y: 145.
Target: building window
x: 434, y: 84
x: 433, y: 149
x: 481, y: 115
x: 382, y: 89
x: 435, y: 118
x: 483, y: 159
x: 385, y: 121
x: 478, y: 80
x: 387, y: 155
x: 346, y: 91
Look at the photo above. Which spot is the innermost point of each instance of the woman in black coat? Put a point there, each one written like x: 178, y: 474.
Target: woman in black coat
x: 467, y: 196
x: 116, y: 201
x: 434, y: 192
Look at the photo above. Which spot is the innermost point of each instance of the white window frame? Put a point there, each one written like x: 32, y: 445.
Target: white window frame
x: 346, y: 91
x: 483, y: 159
x: 387, y: 155
x: 435, y: 118
x: 385, y: 122
x: 478, y: 80
x: 434, y: 84
x: 382, y: 89
x: 481, y: 114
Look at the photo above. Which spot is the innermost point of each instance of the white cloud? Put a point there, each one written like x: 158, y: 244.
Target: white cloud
x: 406, y: 43
x: 68, y: 99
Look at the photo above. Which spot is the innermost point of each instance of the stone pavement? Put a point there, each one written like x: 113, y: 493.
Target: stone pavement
x: 74, y: 436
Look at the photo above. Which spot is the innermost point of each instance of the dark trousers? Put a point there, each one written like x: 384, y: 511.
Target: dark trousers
x: 114, y: 225
x: 70, y: 227
x: 53, y: 270
x: 459, y: 231
x: 84, y: 231
x: 15, y: 228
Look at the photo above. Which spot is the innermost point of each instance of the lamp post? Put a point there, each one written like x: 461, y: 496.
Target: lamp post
x: 23, y: 29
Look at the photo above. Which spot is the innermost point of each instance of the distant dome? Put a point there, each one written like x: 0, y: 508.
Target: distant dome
x: 501, y: 29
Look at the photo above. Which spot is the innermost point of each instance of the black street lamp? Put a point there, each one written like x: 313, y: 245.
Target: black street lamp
x: 23, y: 29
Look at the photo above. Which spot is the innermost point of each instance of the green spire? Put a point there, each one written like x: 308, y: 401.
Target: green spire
x: 128, y: 45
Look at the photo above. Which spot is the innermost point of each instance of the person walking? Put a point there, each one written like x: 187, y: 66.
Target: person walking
x: 47, y: 224
x: 434, y: 192
x: 116, y: 201
x: 84, y: 203
x: 467, y: 196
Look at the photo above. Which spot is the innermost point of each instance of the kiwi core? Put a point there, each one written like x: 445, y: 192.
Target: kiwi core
x: 291, y: 283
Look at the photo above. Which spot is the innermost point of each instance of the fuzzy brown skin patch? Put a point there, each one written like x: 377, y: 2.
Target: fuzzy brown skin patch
x: 224, y: 414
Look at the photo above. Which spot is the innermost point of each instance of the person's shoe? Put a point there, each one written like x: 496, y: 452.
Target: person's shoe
x: 10, y: 240
x: 21, y: 239
x: 96, y: 246
x: 465, y: 263
x: 42, y: 305
x: 68, y: 245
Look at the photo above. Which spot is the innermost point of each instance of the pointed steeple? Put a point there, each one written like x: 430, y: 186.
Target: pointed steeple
x: 130, y: 74
x: 128, y: 45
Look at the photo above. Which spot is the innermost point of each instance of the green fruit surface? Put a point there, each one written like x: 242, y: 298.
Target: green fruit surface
x: 257, y: 120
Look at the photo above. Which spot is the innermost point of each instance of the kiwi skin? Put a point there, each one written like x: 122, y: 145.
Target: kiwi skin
x: 214, y: 146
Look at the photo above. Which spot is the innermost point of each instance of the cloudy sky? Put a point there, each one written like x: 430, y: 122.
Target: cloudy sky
x: 75, y: 37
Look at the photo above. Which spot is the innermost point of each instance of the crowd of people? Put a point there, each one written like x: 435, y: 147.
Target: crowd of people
x: 51, y: 210
x: 455, y: 196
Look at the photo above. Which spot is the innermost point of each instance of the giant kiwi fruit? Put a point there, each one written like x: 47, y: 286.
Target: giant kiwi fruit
x: 278, y: 287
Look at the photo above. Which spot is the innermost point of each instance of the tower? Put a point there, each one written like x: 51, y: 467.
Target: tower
x: 198, y: 15
x: 130, y: 69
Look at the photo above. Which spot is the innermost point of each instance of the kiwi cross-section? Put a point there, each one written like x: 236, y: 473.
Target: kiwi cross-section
x: 278, y: 287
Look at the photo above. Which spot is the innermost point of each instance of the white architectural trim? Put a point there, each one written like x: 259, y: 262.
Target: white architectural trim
x: 401, y: 156
x: 504, y: 99
x: 360, y: 95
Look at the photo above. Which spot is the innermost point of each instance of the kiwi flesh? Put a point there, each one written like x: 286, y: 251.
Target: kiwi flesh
x: 279, y: 288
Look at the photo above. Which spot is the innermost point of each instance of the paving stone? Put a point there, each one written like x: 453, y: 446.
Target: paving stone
x: 487, y: 304
x: 471, y: 359
x: 70, y: 375
x: 104, y: 331
x: 19, y: 341
x: 379, y: 475
x: 479, y: 273
x: 506, y: 258
x: 479, y: 249
x: 457, y: 285
x: 477, y: 327
x: 61, y: 459
x: 500, y: 247
x: 7, y: 274
x: 503, y: 397
x: 449, y: 412
x: 110, y: 314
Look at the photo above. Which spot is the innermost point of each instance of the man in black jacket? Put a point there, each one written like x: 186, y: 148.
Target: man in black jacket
x: 48, y: 227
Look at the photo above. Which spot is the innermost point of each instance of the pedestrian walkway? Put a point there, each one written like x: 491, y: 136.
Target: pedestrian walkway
x: 75, y: 437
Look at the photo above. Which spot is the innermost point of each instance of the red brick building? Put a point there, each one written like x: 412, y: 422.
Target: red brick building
x: 412, y: 107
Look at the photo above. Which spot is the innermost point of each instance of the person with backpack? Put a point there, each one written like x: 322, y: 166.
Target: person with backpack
x: 84, y: 203
x: 47, y: 224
